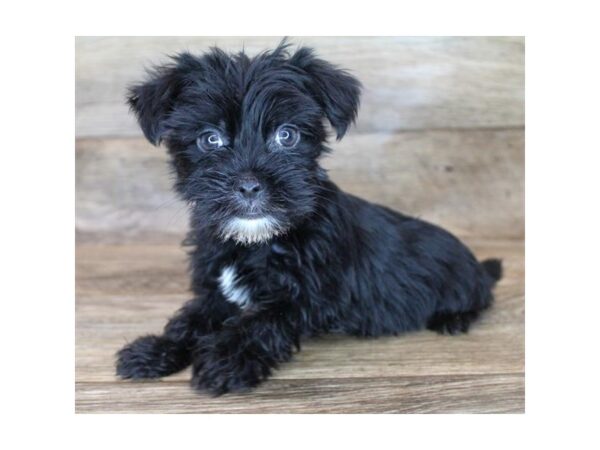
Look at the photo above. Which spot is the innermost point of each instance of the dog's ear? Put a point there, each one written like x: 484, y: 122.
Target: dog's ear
x: 336, y: 90
x: 153, y: 100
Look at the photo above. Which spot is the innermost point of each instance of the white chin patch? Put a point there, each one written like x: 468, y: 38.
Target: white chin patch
x: 251, y: 231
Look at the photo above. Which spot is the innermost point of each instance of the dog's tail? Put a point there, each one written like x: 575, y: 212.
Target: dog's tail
x: 493, y: 267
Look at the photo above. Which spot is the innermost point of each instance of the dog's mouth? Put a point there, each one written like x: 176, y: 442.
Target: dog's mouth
x: 252, y: 215
x: 251, y: 228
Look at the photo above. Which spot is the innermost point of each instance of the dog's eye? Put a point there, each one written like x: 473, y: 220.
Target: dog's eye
x: 210, y: 140
x: 287, y: 136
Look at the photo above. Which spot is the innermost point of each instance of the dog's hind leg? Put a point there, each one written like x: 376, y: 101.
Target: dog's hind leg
x: 445, y: 322
x: 452, y: 323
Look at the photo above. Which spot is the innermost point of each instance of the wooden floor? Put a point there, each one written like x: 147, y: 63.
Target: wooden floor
x: 130, y: 289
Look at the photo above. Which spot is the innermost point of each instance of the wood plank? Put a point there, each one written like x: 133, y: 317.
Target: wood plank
x: 496, y: 393
x: 471, y: 182
x: 127, y: 290
x: 410, y: 82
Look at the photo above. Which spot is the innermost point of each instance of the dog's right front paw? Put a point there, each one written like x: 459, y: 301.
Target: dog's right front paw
x: 151, y: 357
x: 229, y: 365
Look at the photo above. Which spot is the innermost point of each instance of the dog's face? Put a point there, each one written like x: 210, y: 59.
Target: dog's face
x: 245, y: 134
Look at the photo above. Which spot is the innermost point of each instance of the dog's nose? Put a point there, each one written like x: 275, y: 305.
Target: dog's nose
x: 249, y: 187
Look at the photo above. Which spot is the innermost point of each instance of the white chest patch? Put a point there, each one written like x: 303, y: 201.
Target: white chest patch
x: 230, y: 288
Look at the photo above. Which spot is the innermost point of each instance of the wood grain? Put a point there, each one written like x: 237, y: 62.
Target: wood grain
x: 428, y: 394
x: 127, y: 290
x: 409, y: 82
x: 471, y: 182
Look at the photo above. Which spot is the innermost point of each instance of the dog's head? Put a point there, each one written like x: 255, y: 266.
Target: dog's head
x: 245, y: 134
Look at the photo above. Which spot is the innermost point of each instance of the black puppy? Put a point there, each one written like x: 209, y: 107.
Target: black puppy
x: 279, y: 252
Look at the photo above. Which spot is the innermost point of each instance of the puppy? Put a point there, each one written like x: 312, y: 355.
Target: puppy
x: 279, y: 252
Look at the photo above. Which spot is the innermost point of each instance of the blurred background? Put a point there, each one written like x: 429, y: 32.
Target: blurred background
x: 439, y: 135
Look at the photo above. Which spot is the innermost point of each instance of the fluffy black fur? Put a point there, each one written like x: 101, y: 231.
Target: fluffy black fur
x: 324, y: 261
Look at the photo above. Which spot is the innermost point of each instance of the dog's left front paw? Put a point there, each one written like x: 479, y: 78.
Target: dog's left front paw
x: 221, y: 366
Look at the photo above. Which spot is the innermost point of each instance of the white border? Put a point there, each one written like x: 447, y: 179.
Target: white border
x: 562, y: 223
